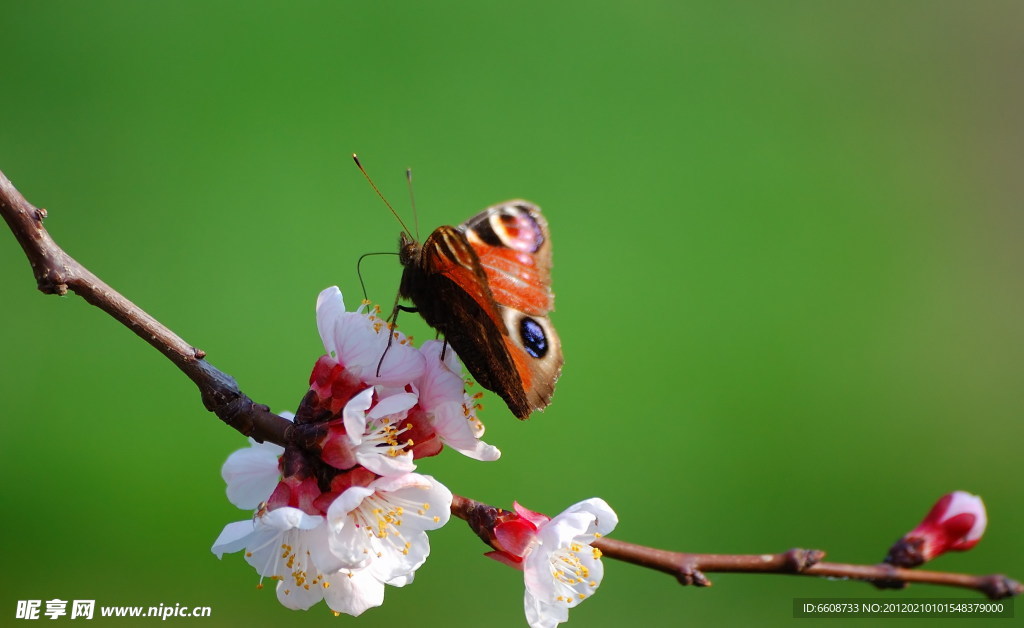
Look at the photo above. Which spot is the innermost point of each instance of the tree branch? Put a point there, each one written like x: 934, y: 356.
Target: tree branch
x: 57, y: 272
x: 690, y: 568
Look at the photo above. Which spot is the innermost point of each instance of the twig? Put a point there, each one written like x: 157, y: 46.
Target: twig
x: 57, y: 272
x: 689, y: 569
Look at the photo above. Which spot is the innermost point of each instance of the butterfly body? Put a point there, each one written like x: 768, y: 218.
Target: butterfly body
x: 485, y: 285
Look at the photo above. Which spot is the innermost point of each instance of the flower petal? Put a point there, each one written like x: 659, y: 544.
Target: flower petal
x: 352, y: 592
x: 456, y: 431
x: 233, y: 538
x: 354, y: 415
x: 329, y: 307
x: 251, y: 474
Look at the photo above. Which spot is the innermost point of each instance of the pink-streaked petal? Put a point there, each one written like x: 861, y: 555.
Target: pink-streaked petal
x: 963, y: 502
x: 515, y: 536
x: 506, y: 559
x: 442, y: 380
x: 536, y: 518
x: 457, y: 432
x: 402, y: 364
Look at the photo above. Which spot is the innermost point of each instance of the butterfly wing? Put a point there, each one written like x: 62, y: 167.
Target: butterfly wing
x: 512, y: 242
x: 485, y: 286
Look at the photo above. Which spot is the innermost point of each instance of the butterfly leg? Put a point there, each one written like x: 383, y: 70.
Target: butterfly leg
x: 392, y: 323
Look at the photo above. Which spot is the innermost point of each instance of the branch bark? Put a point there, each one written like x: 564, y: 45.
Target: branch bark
x: 690, y: 568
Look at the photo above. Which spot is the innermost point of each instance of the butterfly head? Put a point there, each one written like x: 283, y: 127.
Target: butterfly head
x: 408, y: 249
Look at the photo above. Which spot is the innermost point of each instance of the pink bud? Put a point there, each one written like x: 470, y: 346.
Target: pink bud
x: 510, y: 533
x: 955, y: 523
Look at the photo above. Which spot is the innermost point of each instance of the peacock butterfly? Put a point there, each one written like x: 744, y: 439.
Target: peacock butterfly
x: 486, y: 285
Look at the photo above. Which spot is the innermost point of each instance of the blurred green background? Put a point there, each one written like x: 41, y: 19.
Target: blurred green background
x: 788, y: 263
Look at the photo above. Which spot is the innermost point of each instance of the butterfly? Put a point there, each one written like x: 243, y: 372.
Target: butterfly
x: 486, y: 286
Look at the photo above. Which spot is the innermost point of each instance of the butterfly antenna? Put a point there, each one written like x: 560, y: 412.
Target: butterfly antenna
x: 375, y: 189
x: 359, y: 271
x: 412, y: 202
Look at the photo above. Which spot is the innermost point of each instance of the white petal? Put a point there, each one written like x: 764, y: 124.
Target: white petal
x: 354, y: 415
x: 395, y: 404
x: 387, y: 524
x: 352, y: 592
x: 431, y: 500
x: 382, y: 462
x: 298, y: 597
x: 605, y: 518
x: 401, y: 581
x: 541, y: 614
x: 288, y: 518
x: 252, y: 474
x: 233, y: 537
x: 346, y: 541
x: 329, y: 306
x: 580, y: 522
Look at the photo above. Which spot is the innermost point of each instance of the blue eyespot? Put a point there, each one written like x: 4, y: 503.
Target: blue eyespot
x: 532, y: 335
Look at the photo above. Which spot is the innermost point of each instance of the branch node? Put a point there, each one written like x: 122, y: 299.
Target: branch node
x: 998, y: 586
x: 891, y: 581
x: 798, y: 559
x: 51, y: 283
x: 688, y: 574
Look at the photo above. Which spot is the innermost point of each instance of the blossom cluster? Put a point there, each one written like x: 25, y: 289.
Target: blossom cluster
x: 345, y: 514
x: 341, y: 512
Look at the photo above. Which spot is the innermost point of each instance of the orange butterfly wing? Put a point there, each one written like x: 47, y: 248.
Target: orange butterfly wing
x: 486, y: 287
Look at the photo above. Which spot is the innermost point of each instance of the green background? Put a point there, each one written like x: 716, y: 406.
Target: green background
x: 787, y: 242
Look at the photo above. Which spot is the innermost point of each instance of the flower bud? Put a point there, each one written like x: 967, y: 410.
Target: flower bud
x: 955, y: 523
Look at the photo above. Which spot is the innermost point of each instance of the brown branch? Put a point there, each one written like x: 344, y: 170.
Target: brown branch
x: 690, y: 568
x: 57, y: 272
